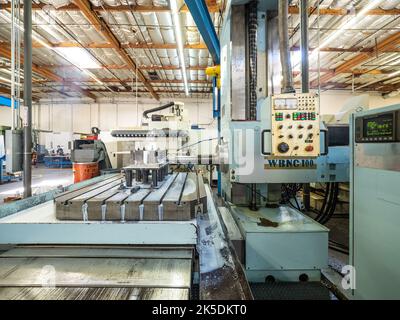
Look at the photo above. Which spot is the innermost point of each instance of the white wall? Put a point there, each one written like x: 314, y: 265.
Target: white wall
x: 63, y: 119
x: 332, y: 102
x: 107, y: 116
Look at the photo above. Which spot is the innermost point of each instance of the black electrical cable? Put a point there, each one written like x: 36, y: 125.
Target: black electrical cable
x: 197, y: 142
x: 321, y: 212
x: 339, y: 244
x: 326, y: 209
x: 332, y: 208
x: 261, y: 195
x: 165, y: 106
x: 338, y: 248
x: 290, y: 191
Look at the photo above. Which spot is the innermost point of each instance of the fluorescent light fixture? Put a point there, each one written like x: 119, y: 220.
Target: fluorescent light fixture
x: 78, y: 57
x: 178, y: 34
x: 346, y: 25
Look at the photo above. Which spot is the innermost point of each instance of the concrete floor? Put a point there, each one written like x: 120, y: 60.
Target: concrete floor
x: 43, y: 179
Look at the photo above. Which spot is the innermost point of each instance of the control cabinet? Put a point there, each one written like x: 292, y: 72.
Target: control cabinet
x: 379, y: 127
x: 295, y: 125
x: 375, y: 203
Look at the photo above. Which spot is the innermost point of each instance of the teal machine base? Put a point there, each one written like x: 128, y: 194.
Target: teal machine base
x: 294, y: 249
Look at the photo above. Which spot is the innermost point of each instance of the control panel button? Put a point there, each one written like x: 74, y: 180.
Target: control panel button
x: 295, y: 125
x: 283, y: 147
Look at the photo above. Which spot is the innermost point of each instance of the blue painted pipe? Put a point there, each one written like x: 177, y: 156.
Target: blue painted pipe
x: 202, y: 18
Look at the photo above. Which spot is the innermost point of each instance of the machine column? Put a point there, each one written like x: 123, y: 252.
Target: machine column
x: 27, y: 123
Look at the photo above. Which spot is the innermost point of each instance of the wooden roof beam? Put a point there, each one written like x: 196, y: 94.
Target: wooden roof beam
x: 199, y: 46
x: 212, y: 8
x: 345, y: 12
x: 113, y: 80
x: 122, y: 67
x: 389, y: 43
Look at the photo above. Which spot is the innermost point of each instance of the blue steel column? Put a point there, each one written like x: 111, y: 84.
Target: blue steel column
x: 202, y: 18
x: 219, y: 135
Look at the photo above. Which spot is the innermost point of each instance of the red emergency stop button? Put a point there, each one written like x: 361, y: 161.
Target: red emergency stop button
x: 309, y: 148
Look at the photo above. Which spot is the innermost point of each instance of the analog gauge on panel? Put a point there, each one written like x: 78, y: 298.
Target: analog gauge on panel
x: 280, y: 104
x: 291, y: 104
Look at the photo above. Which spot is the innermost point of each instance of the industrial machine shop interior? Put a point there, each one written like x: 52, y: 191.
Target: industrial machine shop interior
x: 211, y: 150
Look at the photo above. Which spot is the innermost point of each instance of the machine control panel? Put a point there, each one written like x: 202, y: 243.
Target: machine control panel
x: 378, y: 128
x: 295, y: 125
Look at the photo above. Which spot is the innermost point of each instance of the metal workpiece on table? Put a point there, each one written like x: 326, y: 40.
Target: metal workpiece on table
x: 160, y: 175
x: 154, y: 178
x: 142, y: 170
x: 128, y: 177
x: 145, y: 177
x: 138, y: 175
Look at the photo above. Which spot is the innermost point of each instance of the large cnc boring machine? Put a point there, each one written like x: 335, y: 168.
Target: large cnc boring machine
x: 149, y: 232
x: 271, y: 136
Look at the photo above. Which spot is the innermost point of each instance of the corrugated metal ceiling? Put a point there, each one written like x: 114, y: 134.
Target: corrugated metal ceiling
x: 149, y: 38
